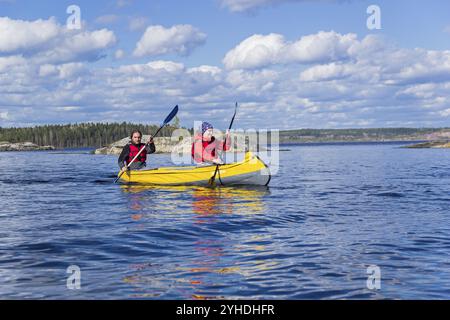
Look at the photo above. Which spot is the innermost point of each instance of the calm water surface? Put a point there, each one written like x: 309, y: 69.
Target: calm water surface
x: 330, y: 212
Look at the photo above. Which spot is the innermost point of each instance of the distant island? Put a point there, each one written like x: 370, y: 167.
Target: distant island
x: 22, y: 146
x: 364, y: 135
x: 104, y: 135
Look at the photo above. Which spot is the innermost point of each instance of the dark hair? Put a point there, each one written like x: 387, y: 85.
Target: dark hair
x: 135, y: 131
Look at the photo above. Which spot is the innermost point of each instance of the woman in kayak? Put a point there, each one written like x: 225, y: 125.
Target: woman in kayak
x: 205, y: 145
x: 132, y: 149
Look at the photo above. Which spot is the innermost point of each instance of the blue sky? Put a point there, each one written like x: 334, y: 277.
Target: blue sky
x: 290, y: 63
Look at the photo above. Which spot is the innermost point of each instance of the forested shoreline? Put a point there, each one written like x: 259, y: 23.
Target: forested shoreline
x: 81, y: 135
x: 95, y: 135
x: 366, y: 134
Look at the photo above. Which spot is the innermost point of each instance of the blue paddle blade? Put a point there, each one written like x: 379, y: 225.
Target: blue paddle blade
x: 170, y: 116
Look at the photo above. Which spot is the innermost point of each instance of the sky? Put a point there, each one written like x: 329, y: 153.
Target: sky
x: 288, y: 63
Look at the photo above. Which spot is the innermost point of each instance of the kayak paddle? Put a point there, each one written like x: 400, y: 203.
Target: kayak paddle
x: 171, y: 115
x: 213, y: 178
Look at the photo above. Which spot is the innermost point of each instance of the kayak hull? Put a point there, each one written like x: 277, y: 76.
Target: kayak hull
x: 251, y: 171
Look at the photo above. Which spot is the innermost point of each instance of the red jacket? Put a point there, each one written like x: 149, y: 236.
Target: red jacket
x: 206, y: 150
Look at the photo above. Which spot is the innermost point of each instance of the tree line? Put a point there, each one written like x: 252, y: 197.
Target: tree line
x: 82, y: 135
x: 358, y: 133
x: 94, y: 135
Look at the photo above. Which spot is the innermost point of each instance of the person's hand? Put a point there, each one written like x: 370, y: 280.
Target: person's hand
x: 124, y: 169
x: 217, y: 161
x: 150, y: 140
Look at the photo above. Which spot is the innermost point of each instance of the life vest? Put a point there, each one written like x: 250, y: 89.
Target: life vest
x: 134, y: 150
x: 208, y: 146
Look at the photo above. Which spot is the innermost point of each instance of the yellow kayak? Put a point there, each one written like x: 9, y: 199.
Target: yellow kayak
x: 251, y: 171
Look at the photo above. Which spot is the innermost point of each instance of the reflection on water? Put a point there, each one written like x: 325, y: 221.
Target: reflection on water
x: 332, y: 210
x: 211, y: 260
x: 204, y: 200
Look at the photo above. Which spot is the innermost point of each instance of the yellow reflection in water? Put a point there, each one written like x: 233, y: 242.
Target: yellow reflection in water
x: 207, y: 265
x: 205, y: 201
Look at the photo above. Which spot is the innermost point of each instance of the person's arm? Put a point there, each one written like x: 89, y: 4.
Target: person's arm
x: 220, y: 144
x: 198, y: 150
x: 150, y: 146
x: 123, y: 156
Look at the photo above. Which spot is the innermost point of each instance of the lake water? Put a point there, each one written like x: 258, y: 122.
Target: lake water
x: 329, y: 213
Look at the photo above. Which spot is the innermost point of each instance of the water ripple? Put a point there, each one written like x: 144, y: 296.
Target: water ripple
x: 331, y: 212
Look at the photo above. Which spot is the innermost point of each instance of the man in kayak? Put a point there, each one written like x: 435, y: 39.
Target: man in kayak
x: 132, y: 149
x: 205, y: 146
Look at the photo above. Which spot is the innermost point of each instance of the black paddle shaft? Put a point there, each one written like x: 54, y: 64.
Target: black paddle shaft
x: 213, y: 178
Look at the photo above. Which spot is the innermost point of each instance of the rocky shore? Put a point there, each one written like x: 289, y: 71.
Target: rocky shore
x: 430, y: 144
x: 23, y: 146
x: 167, y: 145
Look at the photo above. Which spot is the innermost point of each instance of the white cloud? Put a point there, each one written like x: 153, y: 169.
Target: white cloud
x: 48, y: 70
x: 254, y: 82
x: 264, y: 50
x: 4, y: 115
x: 425, y: 66
x: 155, y: 73
x: 158, y: 40
x: 88, y: 46
x: 168, y: 66
x: 244, y: 5
x: 20, y: 35
x: 330, y: 71
x: 205, y: 69
x: 48, y: 42
x: 67, y: 108
x: 320, y: 47
x: 6, y: 62
x: 348, y: 85
x: 445, y: 113
x: 63, y: 71
x: 255, y: 51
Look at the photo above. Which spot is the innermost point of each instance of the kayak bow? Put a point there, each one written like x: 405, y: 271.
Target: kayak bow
x: 251, y: 171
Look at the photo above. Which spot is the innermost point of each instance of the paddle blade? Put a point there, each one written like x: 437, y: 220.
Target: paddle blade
x: 117, y: 179
x: 212, y: 182
x: 171, y: 115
